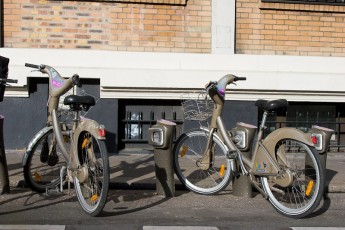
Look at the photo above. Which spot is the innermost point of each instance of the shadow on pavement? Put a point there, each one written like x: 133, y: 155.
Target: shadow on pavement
x: 122, y: 202
x: 26, y: 200
x: 138, y: 171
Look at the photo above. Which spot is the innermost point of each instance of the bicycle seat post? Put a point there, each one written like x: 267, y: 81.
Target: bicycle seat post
x: 263, y: 121
x: 76, y: 116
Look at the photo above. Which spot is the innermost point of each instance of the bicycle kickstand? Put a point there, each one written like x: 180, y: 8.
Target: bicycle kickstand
x: 56, y: 189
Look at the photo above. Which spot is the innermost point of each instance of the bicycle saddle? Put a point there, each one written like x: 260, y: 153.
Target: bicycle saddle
x: 272, y: 105
x: 75, y: 102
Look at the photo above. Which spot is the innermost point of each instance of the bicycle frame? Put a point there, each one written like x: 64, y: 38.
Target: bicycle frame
x: 263, y: 160
x: 57, y: 87
x: 284, y: 166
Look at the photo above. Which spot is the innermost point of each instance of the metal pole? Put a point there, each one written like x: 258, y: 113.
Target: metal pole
x: 4, y: 179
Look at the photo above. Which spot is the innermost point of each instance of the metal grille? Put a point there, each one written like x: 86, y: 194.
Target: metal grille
x: 136, y: 126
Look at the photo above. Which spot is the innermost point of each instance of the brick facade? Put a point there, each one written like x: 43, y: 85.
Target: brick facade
x: 109, y: 25
x: 174, y: 26
x: 289, y: 29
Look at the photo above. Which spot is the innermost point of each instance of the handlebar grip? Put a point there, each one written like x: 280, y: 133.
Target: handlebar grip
x: 32, y: 65
x: 76, y: 80
x: 11, y: 80
x: 240, y: 78
x: 5, y: 80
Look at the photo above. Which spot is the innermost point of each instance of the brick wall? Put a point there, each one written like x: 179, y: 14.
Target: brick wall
x: 289, y: 29
x: 108, y: 25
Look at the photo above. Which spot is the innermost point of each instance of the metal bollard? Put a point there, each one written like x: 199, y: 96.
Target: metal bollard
x: 161, y: 138
x: 243, y: 135
x: 323, y: 136
x: 4, y: 179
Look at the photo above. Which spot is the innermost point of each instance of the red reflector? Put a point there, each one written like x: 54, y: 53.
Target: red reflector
x: 314, y: 139
x: 101, y: 131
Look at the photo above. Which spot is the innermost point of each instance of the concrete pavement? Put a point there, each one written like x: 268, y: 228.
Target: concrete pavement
x: 134, y: 169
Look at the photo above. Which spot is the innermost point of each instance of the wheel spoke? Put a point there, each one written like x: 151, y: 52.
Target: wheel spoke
x: 93, y: 192
x: 203, y: 180
x: 303, y: 164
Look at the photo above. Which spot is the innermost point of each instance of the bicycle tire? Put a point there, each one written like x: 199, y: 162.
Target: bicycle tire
x: 93, y: 192
x: 302, y: 197
x: 188, y: 149
x: 38, y: 174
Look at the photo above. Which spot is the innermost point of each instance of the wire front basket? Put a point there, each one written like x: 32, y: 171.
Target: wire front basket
x: 197, y: 106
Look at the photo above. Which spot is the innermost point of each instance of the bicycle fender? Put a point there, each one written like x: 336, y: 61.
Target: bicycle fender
x: 88, y: 125
x: 32, y: 143
x: 264, y: 164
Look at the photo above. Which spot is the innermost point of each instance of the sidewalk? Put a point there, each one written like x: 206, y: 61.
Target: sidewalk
x: 134, y: 169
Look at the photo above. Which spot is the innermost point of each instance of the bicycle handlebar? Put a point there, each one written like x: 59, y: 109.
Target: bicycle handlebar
x: 240, y: 78
x: 220, y: 85
x: 38, y: 67
x: 75, y: 78
x: 5, y: 80
x: 57, y: 84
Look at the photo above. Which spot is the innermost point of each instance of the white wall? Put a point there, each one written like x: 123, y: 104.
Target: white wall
x: 168, y: 75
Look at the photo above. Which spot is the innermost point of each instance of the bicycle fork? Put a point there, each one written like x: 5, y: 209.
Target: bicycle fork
x: 206, y: 161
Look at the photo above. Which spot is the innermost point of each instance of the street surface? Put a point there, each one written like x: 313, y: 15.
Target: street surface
x: 142, y: 209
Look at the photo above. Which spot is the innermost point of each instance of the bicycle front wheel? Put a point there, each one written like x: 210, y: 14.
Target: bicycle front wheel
x: 42, y: 170
x: 303, y: 194
x: 200, y: 178
x: 92, y: 191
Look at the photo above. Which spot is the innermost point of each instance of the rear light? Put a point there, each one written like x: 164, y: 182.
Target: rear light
x: 314, y: 139
x: 101, y: 131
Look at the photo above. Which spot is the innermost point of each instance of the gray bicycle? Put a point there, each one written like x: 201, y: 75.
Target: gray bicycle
x: 284, y: 166
x: 72, y: 152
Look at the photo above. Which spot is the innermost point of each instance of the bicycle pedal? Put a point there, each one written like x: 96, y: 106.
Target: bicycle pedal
x: 236, y: 174
x: 53, y: 159
x: 53, y: 191
x: 232, y: 154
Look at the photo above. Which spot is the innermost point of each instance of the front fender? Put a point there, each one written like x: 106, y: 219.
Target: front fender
x: 261, y: 163
x: 32, y: 143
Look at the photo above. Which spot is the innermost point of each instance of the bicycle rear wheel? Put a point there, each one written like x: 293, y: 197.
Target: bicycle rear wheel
x: 189, y: 150
x: 300, y: 197
x: 43, y: 166
x: 92, y: 192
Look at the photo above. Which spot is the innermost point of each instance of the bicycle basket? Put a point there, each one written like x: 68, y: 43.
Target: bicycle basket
x: 197, y: 106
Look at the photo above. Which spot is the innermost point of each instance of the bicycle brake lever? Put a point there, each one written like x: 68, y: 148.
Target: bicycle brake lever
x: 210, y: 83
x: 35, y: 70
